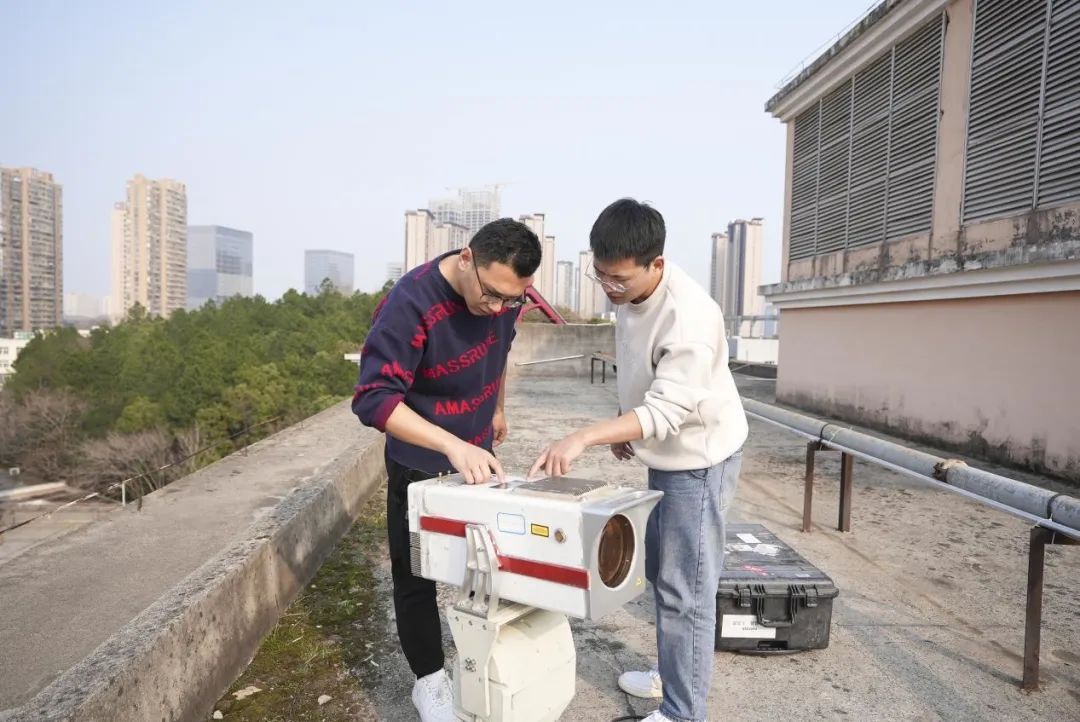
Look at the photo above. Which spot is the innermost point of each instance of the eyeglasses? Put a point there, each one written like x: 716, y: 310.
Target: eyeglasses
x: 612, y: 286
x: 490, y: 298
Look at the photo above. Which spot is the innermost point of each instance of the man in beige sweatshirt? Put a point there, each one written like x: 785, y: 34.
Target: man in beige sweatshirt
x: 685, y: 422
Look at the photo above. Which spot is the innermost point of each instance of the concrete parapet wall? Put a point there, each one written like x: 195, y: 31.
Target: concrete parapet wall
x: 174, y: 659
x: 539, y: 341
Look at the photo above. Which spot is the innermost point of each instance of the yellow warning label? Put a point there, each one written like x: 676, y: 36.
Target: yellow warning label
x: 539, y: 530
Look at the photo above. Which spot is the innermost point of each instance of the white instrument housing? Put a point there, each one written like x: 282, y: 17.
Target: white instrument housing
x: 572, y: 546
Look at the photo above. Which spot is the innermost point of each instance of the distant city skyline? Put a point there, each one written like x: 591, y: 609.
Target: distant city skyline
x: 567, y: 132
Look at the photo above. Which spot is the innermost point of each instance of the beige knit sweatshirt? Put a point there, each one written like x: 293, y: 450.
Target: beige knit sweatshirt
x: 673, y: 372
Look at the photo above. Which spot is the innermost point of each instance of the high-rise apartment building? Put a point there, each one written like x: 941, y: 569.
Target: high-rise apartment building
x: 427, y: 237
x: 592, y: 301
x: 334, y: 266
x: 447, y: 210
x: 394, y: 272
x: 546, y: 272
x: 736, y: 269
x: 446, y: 237
x: 121, y: 285
x: 544, y: 280
x: 220, y: 264
x: 419, y: 227
x: 564, y: 286
x: 31, y: 251
x: 471, y: 207
x: 149, y: 246
x: 719, y: 268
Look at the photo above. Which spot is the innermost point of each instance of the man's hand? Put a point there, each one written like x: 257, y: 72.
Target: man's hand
x: 622, y: 451
x: 474, y: 463
x: 557, y: 459
x: 499, y: 427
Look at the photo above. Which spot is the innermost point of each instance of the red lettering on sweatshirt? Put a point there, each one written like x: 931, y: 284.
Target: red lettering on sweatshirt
x: 461, y: 362
x: 480, y: 438
x: 433, y: 316
x: 457, y: 407
x: 394, y: 370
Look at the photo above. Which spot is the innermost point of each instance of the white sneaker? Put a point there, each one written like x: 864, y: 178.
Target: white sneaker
x: 433, y: 698
x: 657, y: 717
x: 643, y: 684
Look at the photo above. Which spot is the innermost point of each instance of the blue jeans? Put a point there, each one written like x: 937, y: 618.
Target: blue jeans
x: 684, y: 553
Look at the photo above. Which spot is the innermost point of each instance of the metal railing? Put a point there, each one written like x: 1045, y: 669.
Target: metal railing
x: 817, y: 52
x: 124, y: 484
x: 1056, y: 517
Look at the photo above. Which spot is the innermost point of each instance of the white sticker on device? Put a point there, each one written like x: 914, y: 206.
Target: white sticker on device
x: 511, y: 523
x: 745, y: 626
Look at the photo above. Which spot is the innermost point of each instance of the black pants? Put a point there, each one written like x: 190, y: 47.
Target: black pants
x: 418, y: 625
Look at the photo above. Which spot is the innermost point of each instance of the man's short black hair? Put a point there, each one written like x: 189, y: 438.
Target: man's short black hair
x: 628, y: 229
x: 509, y: 242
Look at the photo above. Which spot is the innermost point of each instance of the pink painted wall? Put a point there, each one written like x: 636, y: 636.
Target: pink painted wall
x: 996, y: 377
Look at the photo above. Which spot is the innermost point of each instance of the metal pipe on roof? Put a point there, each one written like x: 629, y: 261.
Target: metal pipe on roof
x: 1065, y: 510
x: 1055, y: 511
x: 808, y: 425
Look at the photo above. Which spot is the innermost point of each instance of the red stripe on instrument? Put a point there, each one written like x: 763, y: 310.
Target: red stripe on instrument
x: 548, y: 572
x: 439, y: 525
x: 568, y: 576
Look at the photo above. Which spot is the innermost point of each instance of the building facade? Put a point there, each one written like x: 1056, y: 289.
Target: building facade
x: 931, y: 251
x: 9, y: 352
x: 471, y: 207
x: 31, y: 251
x: 718, y: 271
x: 149, y: 247
x: 334, y: 266
x: 546, y: 273
x: 220, y: 264
x: 565, y: 292
x: 446, y: 237
x: 544, y: 279
x: 592, y: 301
x: 419, y: 228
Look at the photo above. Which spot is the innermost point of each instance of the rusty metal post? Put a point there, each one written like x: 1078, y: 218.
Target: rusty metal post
x: 1033, y: 615
x: 847, y: 472
x: 1040, y: 537
x: 592, y: 370
x: 808, y: 489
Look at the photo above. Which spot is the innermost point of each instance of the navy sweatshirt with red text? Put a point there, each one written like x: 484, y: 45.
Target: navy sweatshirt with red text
x: 427, y: 350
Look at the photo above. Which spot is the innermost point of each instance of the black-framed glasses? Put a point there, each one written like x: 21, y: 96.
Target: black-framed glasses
x: 490, y: 298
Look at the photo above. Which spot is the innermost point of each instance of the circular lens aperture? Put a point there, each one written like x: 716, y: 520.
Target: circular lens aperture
x: 616, y: 551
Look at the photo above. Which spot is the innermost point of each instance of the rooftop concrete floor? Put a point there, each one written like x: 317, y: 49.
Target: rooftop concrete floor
x: 929, y: 623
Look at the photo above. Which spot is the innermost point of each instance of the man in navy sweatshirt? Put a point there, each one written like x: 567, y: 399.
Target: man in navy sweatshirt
x: 432, y: 374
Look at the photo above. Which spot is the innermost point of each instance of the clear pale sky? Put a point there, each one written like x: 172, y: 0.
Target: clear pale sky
x: 317, y: 125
